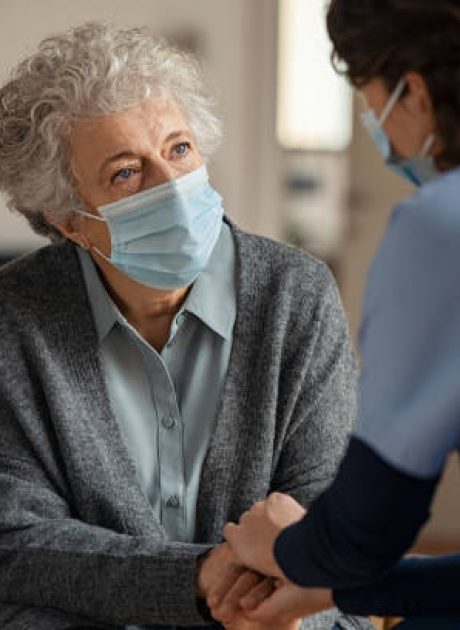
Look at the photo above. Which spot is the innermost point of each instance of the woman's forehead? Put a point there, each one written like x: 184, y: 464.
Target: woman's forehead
x: 152, y: 120
x: 149, y: 110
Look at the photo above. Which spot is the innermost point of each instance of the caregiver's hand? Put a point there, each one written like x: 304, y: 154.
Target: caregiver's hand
x: 252, y: 540
x: 230, y: 613
x: 285, y: 605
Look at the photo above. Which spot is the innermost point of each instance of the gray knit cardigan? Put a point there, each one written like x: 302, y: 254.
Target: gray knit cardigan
x: 80, y: 546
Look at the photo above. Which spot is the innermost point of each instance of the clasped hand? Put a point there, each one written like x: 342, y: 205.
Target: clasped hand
x: 243, y: 585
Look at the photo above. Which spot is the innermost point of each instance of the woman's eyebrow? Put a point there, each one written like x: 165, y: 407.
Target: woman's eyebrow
x: 179, y: 133
x: 125, y: 153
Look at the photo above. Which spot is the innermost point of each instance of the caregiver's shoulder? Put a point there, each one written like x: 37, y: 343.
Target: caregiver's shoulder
x: 421, y: 243
x: 433, y: 212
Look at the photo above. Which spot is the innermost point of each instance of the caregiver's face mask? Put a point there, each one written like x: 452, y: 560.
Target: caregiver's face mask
x: 417, y: 170
x: 163, y: 237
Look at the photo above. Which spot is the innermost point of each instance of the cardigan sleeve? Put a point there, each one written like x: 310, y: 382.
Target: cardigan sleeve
x: 323, y: 397
x: 18, y: 617
x: 89, y: 571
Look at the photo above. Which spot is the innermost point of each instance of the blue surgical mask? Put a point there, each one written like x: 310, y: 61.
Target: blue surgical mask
x: 163, y: 237
x: 418, y: 170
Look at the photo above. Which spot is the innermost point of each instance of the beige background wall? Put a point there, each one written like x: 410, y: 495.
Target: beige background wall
x: 238, y: 39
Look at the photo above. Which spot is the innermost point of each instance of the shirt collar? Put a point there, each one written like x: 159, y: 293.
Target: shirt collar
x: 212, y: 298
x: 105, y: 312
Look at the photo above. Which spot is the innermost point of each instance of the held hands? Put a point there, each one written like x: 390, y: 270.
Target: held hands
x: 280, y: 609
x: 221, y: 577
x: 286, y: 605
x: 242, y: 599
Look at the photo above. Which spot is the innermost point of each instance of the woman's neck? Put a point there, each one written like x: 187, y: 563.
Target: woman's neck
x: 149, y: 310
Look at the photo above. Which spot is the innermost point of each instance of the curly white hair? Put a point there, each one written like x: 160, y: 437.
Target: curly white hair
x: 92, y: 70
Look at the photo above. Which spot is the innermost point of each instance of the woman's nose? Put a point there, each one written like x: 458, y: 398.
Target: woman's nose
x: 161, y: 171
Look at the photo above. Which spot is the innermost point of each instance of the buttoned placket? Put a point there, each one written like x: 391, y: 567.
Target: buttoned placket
x: 172, y: 503
x: 172, y: 458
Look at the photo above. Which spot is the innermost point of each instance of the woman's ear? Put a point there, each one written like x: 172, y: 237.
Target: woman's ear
x: 67, y: 228
x: 418, y: 98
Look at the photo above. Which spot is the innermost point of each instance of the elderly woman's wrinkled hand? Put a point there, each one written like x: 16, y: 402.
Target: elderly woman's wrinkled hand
x: 253, y: 538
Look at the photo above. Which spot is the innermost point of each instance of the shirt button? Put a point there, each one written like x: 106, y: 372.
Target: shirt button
x: 168, y: 422
x: 172, y: 501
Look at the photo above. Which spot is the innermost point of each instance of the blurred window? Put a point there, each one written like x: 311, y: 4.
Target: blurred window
x: 314, y: 104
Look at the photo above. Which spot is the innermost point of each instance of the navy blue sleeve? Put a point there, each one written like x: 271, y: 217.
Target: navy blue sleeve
x: 359, y: 527
x: 415, y: 586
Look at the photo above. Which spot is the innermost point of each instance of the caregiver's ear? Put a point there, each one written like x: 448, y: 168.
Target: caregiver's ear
x: 68, y: 230
x: 417, y: 96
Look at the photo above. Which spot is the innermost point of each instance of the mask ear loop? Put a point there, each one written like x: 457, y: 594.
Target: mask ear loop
x: 99, y: 253
x: 427, y: 145
x: 394, y: 98
x: 91, y: 216
x: 95, y: 249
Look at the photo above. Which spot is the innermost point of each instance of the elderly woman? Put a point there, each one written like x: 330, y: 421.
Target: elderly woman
x: 160, y: 370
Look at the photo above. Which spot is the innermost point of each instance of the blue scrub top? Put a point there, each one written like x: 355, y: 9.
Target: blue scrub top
x: 409, y: 411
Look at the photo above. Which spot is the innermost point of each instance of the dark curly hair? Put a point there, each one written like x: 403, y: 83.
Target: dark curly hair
x: 387, y: 38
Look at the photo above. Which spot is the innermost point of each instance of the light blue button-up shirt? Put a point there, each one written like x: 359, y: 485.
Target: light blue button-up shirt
x: 166, y: 402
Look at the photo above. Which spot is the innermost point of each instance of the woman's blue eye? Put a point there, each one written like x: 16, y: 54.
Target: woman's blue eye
x: 182, y: 148
x: 123, y: 174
